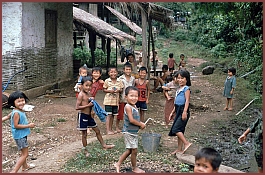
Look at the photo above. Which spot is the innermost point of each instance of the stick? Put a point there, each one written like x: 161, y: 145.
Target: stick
x: 246, y: 106
x: 146, y: 122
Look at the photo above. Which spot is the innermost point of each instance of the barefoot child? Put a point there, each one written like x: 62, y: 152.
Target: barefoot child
x: 144, y: 90
x: 127, y: 80
x: 84, y: 116
x: 182, y: 100
x: 113, y: 87
x: 207, y: 160
x: 230, y: 84
x: 20, y: 129
x: 131, y: 126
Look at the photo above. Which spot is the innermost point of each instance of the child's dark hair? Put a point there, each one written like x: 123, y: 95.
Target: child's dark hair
x: 131, y: 88
x: 112, y: 68
x: 82, y: 68
x: 143, y: 68
x: 210, y: 155
x: 129, y: 54
x: 85, y: 79
x: 184, y: 73
x: 169, y: 78
x: 97, y: 69
x: 165, y: 67
x: 16, y: 95
x: 233, y: 70
x: 127, y: 64
x: 182, y: 55
x: 170, y: 55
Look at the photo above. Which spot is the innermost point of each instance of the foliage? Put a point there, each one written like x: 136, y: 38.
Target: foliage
x: 81, y: 54
x: 184, y: 167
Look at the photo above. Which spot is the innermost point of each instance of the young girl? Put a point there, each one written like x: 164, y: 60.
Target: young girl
x: 131, y: 126
x: 20, y: 129
x: 182, y: 63
x: 182, y: 100
x: 230, y: 84
x: 169, y: 91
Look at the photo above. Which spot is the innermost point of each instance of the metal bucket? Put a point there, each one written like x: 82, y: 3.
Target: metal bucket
x: 150, y: 141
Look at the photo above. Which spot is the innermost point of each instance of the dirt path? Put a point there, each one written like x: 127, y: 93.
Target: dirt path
x: 55, y: 139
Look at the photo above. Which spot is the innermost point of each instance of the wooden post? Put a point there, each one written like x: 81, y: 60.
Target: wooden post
x: 144, y: 42
x: 75, y: 42
x: 92, y: 44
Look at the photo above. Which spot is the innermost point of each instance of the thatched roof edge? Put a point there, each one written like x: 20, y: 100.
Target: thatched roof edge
x: 92, y: 22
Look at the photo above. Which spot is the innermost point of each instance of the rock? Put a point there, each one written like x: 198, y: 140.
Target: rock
x: 208, y: 70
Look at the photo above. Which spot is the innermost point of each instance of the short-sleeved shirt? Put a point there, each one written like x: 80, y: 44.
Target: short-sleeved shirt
x: 126, y: 84
x: 180, y: 95
x: 112, y: 99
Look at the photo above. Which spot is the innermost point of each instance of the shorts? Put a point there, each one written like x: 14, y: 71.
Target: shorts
x: 22, y: 143
x: 171, y: 69
x: 131, y: 141
x: 141, y: 105
x: 111, y: 110
x: 85, y: 121
x: 121, y: 111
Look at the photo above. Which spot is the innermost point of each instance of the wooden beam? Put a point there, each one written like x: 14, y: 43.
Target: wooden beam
x: 144, y: 38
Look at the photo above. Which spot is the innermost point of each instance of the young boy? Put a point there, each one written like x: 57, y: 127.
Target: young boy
x: 97, y: 81
x: 131, y: 59
x: 207, y: 160
x: 171, y: 62
x: 257, y: 128
x: 161, y: 80
x: 85, y: 120
x: 82, y: 73
x: 113, y: 87
x: 127, y: 80
x: 144, y: 88
x: 131, y: 126
x: 182, y: 63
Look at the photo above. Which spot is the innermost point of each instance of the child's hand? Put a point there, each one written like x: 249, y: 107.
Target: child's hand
x: 142, y: 125
x: 90, y: 104
x: 168, y: 98
x: 147, y: 101
x: 242, y: 138
x: 184, y: 115
x: 231, y: 92
x: 31, y: 125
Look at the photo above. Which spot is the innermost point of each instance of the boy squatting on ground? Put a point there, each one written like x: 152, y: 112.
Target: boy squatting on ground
x: 130, y: 129
x: 85, y: 120
x: 207, y: 160
x: 113, y: 86
x: 127, y: 80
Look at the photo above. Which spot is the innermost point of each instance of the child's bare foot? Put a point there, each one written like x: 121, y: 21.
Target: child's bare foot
x: 225, y: 108
x: 138, y: 170
x: 29, y: 166
x: 117, y: 167
x: 118, y: 130
x: 108, y: 146
x: 230, y: 109
x: 110, y: 133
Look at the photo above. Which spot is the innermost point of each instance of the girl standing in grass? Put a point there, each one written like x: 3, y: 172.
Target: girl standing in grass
x: 230, y: 84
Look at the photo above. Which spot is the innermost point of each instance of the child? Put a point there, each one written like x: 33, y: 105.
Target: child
x: 182, y: 63
x: 161, y: 80
x: 82, y: 73
x: 131, y: 59
x: 85, y: 120
x: 257, y: 128
x: 144, y: 88
x: 113, y: 87
x: 207, y: 160
x: 169, y: 92
x: 131, y: 126
x: 230, y: 85
x: 171, y: 62
x: 127, y: 80
x: 20, y: 128
x: 182, y: 100
x: 97, y: 81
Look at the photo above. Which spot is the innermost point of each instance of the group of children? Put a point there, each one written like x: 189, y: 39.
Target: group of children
x: 127, y: 98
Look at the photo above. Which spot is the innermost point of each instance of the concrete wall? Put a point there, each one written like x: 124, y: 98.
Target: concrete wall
x: 23, y: 25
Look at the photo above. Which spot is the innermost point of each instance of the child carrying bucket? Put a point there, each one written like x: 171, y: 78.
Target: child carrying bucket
x: 131, y: 126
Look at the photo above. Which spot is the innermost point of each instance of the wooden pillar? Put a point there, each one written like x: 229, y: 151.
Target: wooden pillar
x: 103, y: 39
x: 75, y: 40
x: 92, y: 45
x: 144, y: 42
x: 108, y: 44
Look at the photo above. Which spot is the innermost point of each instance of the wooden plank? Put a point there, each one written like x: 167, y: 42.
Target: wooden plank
x: 190, y: 159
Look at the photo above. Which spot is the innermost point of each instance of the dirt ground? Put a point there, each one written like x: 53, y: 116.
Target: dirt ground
x: 56, y: 139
